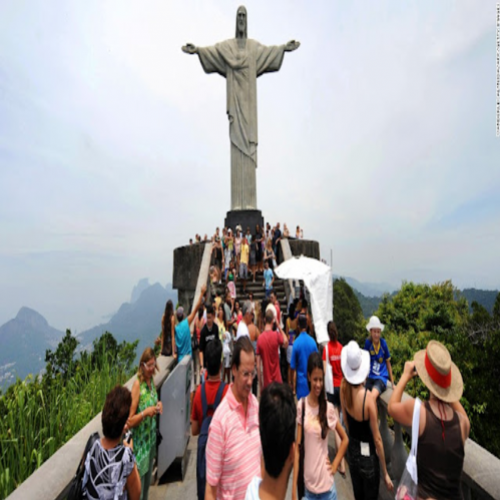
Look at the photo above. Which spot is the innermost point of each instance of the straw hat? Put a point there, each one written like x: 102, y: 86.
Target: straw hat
x: 438, y: 372
x: 375, y: 323
x: 355, y: 363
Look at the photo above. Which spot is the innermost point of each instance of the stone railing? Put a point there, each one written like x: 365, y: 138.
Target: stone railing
x: 481, y: 473
x: 286, y: 252
x: 51, y: 481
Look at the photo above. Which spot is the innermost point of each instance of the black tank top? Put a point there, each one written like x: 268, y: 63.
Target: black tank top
x: 440, y: 461
x: 361, y: 431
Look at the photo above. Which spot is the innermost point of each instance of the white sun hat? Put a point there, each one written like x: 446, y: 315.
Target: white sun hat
x: 355, y: 363
x: 374, y: 323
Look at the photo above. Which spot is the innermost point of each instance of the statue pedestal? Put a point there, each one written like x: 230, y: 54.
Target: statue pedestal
x: 245, y: 218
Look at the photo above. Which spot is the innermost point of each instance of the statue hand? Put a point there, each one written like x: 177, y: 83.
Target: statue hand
x: 292, y: 45
x: 189, y: 48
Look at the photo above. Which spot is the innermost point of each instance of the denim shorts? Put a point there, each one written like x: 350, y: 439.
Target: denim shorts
x: 375, y: 383
x: 331, y: 494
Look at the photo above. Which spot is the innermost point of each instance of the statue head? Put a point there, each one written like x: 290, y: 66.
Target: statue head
x: 241, y: 22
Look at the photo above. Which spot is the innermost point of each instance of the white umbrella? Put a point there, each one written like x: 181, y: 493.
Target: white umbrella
x: 317, y: 277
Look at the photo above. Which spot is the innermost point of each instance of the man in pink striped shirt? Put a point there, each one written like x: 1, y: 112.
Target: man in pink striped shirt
x: 233, y: 450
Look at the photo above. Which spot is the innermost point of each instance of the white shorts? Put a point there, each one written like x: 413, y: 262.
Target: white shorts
x: 227, y: 360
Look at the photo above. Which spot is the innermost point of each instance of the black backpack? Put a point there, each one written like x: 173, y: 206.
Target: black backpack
x: 201, y: 463
x: 76, y: 485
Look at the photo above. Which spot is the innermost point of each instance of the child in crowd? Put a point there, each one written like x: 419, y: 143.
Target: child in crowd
x: 231, y: 282
x: 380, y: 365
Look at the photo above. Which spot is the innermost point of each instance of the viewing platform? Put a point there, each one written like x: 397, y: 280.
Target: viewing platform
x: 481, y: 472
x: 52, y: 479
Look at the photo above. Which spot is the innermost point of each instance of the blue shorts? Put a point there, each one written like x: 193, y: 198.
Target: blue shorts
x: 331, y: 494
x: 376, y: 383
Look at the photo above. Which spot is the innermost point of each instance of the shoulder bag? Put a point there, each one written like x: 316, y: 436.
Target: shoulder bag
x: 76, y: 485
x: 408, y: 485
x: 301, y: 487
x: 329, y: 388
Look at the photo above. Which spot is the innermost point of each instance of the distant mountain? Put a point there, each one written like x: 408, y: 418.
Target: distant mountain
x: 368, y: 289
x: 484, y: 297
x: 139, y: 288
x: 24, y: 339
x: 368, y: 304
x: 140, y: 319
x: 23, y: 342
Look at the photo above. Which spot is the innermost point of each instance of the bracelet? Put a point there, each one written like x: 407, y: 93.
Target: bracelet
x: 142, y: 413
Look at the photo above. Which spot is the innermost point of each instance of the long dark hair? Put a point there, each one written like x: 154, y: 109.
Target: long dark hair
x: 332, y: 331
x: 313, y: 362
x: 166, y: 323
x: 221, y: 308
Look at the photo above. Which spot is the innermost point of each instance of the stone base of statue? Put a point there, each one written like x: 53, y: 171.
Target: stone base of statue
x: 245, y: 218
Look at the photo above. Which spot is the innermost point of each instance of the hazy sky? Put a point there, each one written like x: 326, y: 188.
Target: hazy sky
x: 377, y: 136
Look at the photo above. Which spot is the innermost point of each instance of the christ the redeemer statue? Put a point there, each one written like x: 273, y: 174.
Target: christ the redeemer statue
x: 241, y: 61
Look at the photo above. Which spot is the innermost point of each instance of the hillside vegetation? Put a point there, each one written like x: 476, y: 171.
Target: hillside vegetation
x: 37, y: 416
x: 418, y: 313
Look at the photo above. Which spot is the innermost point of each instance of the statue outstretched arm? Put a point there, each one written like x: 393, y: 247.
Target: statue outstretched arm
x: 291, y: 46
x: 189, y: 48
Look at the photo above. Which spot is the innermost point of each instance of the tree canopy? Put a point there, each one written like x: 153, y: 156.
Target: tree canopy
x: 421, y: 312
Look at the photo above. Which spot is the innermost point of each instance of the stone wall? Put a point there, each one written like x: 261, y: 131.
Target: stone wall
x: 309, y: 248
x: 187, y: 263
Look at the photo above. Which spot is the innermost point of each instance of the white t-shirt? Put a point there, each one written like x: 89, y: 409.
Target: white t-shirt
x: 242, y: 330
x: 253, y: 489
x: 227, y: 343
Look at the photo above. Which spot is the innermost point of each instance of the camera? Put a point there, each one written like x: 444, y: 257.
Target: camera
x: 128, y: 436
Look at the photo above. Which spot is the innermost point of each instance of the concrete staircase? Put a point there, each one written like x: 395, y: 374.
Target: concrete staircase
x: 258, y: 290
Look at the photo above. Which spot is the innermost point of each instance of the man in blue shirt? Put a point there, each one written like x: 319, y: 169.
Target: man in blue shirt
x: 303, y: 346
x: 380, y: 358
x: 268, y: 279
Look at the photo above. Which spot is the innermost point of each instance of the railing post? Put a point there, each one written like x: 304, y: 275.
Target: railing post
x: 387, y: 439
x: 398, y: 454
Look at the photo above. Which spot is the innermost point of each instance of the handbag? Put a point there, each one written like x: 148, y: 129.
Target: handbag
x: 76, y: 485
x: 194, y: 342
x: 301, y: 487
x: 329, y: 388
x: 408, y: 485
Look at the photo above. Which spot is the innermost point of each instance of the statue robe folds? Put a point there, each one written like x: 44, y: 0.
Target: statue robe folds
x: 241, y: 67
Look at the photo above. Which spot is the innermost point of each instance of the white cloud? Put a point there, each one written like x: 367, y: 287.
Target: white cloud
x: 114, y: 144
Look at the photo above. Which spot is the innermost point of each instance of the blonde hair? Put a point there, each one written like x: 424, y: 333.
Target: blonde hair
x: 147, y: 355
x: 346, y: 398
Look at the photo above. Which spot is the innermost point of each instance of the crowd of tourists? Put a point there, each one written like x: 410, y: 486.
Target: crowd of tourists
x: 262, y: 242
x: 257, y: 419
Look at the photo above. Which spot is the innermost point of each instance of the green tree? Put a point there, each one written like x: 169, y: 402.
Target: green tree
x: 107, y: 350
x: 480, y: 316
x: 62, y: 360
x: 419, y: 313
x: 496, y: 310
x: 347, y: 312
